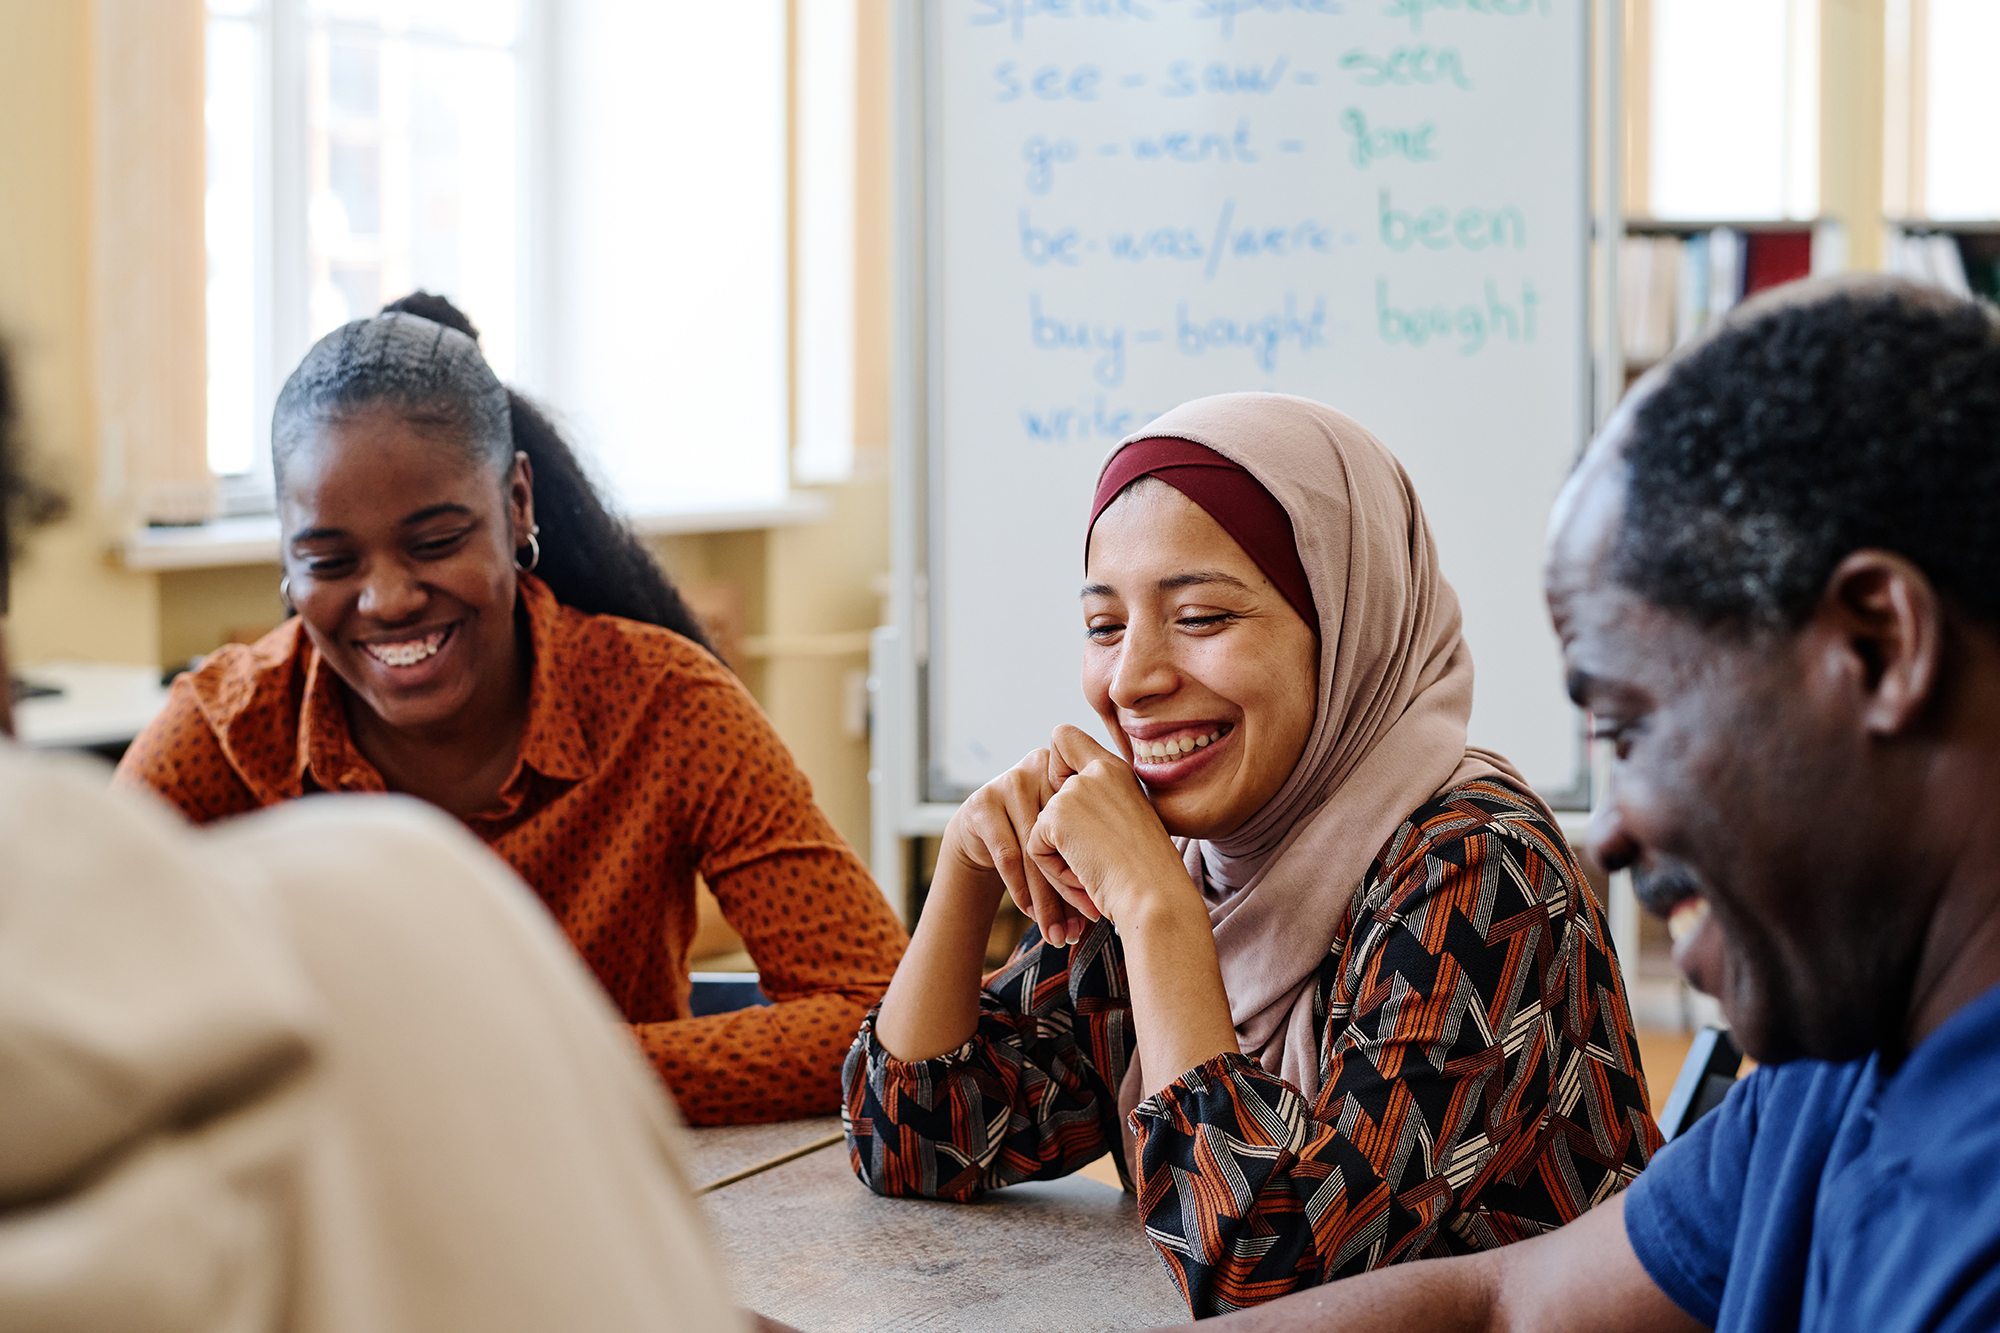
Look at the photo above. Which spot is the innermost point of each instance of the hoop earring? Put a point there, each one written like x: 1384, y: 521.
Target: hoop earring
x: 534, y: 553
x: 285, y: 595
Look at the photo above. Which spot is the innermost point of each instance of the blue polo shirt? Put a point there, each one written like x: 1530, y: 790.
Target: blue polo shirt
x: 1824, y: 1196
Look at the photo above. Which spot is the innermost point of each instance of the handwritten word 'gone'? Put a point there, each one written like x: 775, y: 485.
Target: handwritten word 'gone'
x: 1384, y: 142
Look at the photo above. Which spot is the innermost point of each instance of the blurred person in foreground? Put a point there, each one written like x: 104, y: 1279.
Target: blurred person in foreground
x: 328, y: 1068
x: 1776, y: 577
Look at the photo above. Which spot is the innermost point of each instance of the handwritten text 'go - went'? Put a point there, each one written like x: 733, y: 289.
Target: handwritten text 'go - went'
x: 1044, y: 155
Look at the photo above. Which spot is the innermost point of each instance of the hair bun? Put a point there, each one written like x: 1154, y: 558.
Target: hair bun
x: 435, y: 308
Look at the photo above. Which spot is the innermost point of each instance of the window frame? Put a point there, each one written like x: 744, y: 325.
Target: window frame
x: 283, y: 244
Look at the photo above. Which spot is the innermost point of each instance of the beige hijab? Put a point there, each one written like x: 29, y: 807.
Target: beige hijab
x: 1395, y: 692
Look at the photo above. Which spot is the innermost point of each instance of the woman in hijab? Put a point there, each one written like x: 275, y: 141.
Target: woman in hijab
x: 1329, y: 981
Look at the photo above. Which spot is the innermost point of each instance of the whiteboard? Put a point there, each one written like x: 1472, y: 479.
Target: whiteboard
x: 1379, y: 204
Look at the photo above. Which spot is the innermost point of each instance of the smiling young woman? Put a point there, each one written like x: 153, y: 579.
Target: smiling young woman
x: 473, y: 628
x: 1327, y: 981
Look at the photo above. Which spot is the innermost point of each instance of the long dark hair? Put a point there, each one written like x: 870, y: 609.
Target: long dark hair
x: 24, y: 501
x: 430, y: 369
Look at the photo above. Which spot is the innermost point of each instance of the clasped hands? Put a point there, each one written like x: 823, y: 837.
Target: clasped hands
x: 1073, y: 837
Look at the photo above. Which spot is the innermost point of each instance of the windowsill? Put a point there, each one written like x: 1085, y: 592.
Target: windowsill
x: 225, y: 542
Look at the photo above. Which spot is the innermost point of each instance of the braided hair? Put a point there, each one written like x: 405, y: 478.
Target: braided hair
x: 420, y: 357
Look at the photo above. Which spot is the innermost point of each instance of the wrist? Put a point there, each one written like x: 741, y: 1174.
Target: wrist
x: 1164, y: 918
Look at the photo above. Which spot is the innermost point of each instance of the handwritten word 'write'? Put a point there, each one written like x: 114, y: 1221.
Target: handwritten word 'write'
x: 1473, y: 325
x: 1093, y: 419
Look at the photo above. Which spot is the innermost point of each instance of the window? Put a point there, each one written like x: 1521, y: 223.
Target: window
x: 607, y: 208
x: 1961, y: 110
x: 1734, y: 115
x: 357, y: 149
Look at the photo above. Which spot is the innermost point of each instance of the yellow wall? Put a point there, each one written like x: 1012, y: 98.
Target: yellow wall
x: 70, y: 598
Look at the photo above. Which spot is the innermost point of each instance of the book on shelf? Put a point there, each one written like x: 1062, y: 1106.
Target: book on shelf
x: 1932, y: 258
x: 1673, y: 284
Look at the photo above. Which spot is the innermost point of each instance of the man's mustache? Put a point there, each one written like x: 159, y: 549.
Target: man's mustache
x: 1661, y: 885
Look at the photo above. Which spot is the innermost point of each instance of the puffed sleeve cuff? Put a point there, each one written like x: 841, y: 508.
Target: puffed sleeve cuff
x: 1219, y: 1084
x: 885, y: 1067
x: 907, y: 1133
x: 1232, y: 1094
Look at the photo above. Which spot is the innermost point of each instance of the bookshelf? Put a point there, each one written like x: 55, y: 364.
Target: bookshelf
x: 1961, y: 256
x: 1677, y: 275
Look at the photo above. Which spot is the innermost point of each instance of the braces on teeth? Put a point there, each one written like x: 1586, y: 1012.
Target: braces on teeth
x: 407, y: 654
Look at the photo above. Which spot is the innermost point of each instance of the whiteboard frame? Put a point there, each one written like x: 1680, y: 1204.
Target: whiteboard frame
x: 901, y: 803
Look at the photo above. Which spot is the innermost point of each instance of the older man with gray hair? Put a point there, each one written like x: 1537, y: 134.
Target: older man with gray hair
x: 1776, y: 577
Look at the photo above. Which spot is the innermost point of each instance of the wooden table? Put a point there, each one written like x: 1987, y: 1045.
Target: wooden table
x: 808, y: 1244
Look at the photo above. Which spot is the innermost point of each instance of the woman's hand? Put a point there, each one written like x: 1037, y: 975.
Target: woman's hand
x: 988, y: 836
x: 1098, y: 840
x: 933, y: 1003
x: 1098, y: 835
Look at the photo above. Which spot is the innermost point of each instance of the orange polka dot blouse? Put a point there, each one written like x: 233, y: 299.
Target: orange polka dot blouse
x: 644, y: 762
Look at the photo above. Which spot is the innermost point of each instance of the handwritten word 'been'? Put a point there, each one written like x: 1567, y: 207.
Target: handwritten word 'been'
x: 1406, y: 66
x: 1437, y: 228
x: 1373, y: 145
x: 1472, y: 325
x: 1414, y: 10
x: 1260, y: 335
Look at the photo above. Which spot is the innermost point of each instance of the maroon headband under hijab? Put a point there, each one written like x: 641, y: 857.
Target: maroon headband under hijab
x: 1228, y: 494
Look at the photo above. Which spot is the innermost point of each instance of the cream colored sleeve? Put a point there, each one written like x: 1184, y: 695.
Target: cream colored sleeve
x: 325, y: 1068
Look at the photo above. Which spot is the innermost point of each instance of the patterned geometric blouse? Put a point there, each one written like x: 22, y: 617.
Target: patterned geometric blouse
x: 1481, y: 1083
